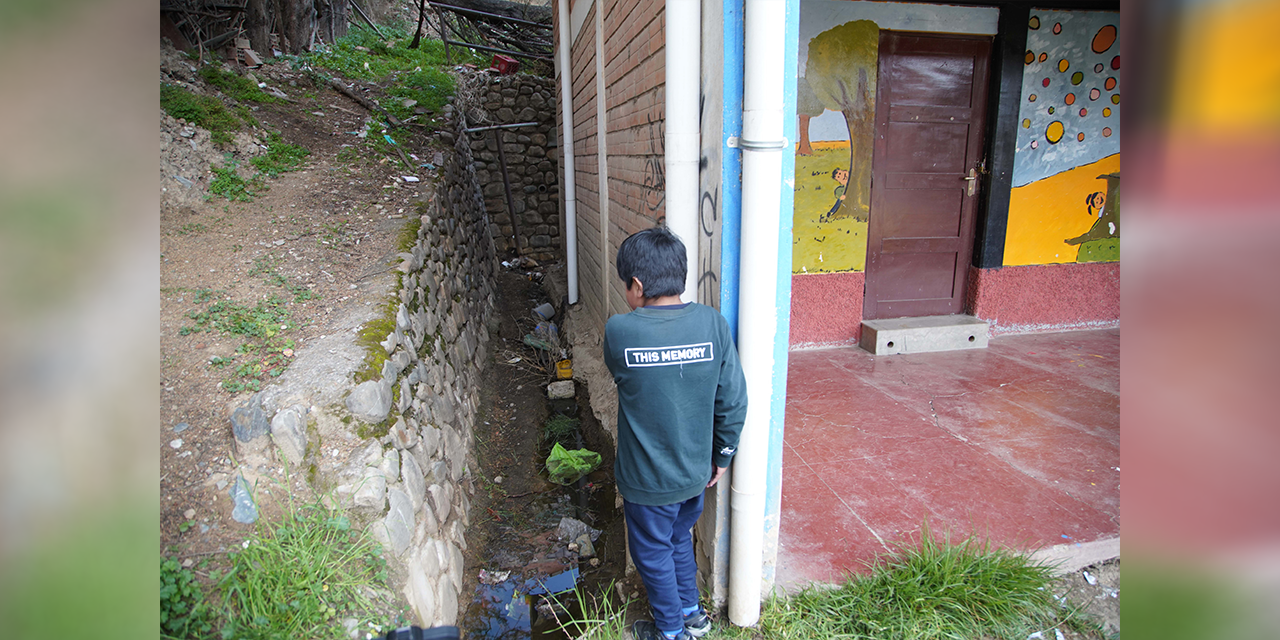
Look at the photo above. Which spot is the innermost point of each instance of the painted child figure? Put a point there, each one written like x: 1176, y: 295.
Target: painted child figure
x: 682, y: 399
x: 841, y: 176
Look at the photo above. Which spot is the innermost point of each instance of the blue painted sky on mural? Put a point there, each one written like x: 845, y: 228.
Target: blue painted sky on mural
x: 1081, y: 95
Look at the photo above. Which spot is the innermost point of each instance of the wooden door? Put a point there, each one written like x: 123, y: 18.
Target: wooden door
x: 931, y: 95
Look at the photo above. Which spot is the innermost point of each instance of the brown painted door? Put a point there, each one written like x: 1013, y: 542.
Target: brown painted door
x: 930, y: 108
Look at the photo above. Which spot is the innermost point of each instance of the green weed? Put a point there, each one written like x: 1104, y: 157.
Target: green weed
x: 203, y: 111
x: 234, y: 85
x: 262, y: 362
x: 228, y: 184
x: 430, y: 87
x: 301, y: 577
x: 349, y: 155
x: 362, y: 55
x: 601, y: 617
x: 192, y: 227
x: 333, y: 233
x: 265, y: 267
x: 263, y: 320
x: 560, y: 429
x: 932, y: 590
x: 281, y: 157
x: 184, y: 613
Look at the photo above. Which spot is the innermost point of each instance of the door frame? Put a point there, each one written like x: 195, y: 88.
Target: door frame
x: 976, y: 157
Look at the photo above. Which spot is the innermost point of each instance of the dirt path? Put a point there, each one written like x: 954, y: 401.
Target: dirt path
x: 320, y: 239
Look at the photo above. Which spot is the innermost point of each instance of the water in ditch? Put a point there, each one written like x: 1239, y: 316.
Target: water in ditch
x: 526, y: 560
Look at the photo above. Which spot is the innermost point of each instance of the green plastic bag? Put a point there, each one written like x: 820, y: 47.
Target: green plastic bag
x: 567, y: 466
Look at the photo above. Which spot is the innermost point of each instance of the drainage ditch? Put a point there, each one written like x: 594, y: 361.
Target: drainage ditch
x: 534, y: 545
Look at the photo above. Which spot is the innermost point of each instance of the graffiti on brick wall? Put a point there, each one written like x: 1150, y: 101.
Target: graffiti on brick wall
x: 708, y: 224
x: 655, y: 178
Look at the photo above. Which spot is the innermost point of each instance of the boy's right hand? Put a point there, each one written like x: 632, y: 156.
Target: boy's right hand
x: 715, y: 477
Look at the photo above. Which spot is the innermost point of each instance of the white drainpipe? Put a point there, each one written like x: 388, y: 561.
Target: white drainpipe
x: 762, y: 144
x: 684, y: 68
x: 566, y: 134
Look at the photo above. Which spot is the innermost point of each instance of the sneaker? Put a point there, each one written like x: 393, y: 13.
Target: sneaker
x: 647, y: 630
x: 697, y: 623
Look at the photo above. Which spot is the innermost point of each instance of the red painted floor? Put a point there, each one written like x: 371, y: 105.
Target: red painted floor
x: 1018, y: 443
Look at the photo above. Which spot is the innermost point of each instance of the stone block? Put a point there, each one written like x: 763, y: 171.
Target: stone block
x: 441, y: 499
x: 399, y: 520
x: 403, y: 436
x: 390, y: 465
x: 372, y: 490
x: 370, y: 401
x: 561, y: 389
x: 249, y: 421
x: 923, y: 334
x: 289, y: 432
x: 413, y: 480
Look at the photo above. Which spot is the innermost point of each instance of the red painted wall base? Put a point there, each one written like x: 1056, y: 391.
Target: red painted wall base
x: 826, y: 308
x: 1042, y: 298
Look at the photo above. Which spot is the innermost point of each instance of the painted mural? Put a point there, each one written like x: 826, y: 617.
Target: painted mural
x: 1065, y: 204
x: 836, y: 94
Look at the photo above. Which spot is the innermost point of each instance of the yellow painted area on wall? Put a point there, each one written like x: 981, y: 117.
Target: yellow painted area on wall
x: 1226, y: 73
x: 820, y: 245
x: 1045, y: 213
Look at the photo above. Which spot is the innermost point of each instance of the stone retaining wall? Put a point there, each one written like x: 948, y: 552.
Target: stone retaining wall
x: 437, y: 351
x: 530, y: 154
x: 398, y: 449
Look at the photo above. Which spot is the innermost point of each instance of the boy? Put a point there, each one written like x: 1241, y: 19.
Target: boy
x: 682, y: 399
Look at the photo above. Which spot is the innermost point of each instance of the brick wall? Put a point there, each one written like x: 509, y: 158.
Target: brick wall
x: 631, y: 55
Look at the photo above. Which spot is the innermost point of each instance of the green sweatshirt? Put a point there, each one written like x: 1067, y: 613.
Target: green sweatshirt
x: 682, y: 400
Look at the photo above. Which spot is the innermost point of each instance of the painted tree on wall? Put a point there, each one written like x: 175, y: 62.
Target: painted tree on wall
x: 807, y: 106
x: 841, y: 70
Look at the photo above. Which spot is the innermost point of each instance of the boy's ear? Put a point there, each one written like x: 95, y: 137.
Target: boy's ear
x: 637, y: 284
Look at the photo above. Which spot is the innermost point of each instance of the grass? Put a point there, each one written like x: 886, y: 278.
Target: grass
x: 300, y: 577
x: 281, y: 157
x: 228, y: 184
x: 206, y: 112
x: 430, y: 87
x: 560, y: 429
x: 932, y: 590
x: 361, y: 55
x: 602, y: 617
x: 263, y: 355
x: 266, y: 267
x: 418, y: 74
x: 234, y: 85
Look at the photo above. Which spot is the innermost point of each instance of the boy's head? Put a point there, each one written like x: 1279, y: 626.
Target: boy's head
x: 655, y: 257
x: 840, y: 175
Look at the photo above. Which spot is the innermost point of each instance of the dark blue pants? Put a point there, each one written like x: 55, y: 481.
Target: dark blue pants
x: 662, y: 547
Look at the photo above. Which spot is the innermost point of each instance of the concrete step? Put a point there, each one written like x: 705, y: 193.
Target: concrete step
x: 923, y: 335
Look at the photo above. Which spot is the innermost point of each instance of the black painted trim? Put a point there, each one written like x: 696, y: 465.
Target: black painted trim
x: 1002, y: 136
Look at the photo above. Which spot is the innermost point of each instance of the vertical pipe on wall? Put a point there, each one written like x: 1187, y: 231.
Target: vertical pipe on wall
x: 683, y: 49
x: 731, y: 166
x: 566, y: 135
x: 762, y: 144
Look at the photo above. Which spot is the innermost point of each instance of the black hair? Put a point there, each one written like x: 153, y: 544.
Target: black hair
x: 657, y: 258
x: 834, y: 172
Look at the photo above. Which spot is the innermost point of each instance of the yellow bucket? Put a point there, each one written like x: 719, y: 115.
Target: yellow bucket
x: 564, y: 369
